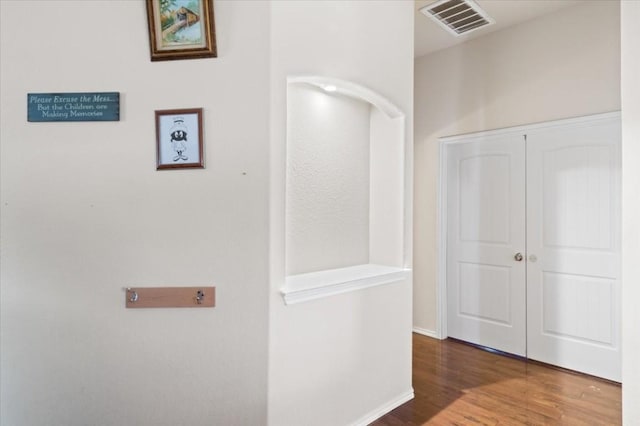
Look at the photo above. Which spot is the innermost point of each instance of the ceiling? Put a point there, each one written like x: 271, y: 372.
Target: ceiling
x: 429, y: 36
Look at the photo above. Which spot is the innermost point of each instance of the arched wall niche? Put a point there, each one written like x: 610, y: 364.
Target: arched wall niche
x: 345, y: 189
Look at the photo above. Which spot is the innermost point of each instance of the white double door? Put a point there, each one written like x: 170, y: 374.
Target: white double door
x: 533, y: 243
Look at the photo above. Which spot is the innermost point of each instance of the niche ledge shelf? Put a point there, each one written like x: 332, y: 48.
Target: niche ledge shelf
x: 316, y: 285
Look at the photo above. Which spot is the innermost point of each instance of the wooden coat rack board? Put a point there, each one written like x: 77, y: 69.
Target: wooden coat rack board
x: 170, y: 297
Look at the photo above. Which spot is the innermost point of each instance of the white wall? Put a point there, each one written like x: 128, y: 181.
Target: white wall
x: 386, y: 216
x: 327, y: 180
x: 85, y: 214
x: 561, y: 65
x: 630, y: 12
x: 323, y: 353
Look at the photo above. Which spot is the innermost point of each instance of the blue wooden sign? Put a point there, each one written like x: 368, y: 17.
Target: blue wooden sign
x: 98, y: 106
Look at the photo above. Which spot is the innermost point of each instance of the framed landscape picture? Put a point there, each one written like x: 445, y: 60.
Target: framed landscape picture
x: 179, y: 139
x: 181, y: 29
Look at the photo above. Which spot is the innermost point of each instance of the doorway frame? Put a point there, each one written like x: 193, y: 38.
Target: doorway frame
x: 441, y: 220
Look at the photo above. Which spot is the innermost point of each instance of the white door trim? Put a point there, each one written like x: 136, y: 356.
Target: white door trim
x: 441, y: 290
x: 444, y: 142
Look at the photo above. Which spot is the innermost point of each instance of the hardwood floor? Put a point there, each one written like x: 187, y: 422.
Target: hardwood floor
x: 458, y: 384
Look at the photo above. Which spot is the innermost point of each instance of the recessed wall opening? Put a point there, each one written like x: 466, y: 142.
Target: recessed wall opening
x: 345, y: 184
x: 327, y: 180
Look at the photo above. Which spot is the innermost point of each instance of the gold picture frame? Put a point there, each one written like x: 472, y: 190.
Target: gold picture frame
x: 181, y: 29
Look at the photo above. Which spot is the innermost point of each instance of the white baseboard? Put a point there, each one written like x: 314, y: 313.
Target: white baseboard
x: 425, y: 332
x: 381, y: 411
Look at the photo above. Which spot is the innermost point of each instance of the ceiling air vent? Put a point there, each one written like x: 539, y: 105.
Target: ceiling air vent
x: 458, y: 16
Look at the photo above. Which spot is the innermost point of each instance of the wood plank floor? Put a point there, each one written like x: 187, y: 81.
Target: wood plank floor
x: 458, y: 384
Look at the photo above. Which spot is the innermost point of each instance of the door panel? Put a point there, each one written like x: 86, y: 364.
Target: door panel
x: 478, y: 285
x: 576, y: 203
x: 485, y: 228
x: 573, y: 240
x: 578, y: 308
x: 484, y: 198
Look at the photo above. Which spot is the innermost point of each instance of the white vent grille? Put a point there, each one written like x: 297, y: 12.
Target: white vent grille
x: 458, y: 16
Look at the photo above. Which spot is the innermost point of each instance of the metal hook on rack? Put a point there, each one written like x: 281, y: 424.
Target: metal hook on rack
x: 133, y: 295
x: 199, y: 297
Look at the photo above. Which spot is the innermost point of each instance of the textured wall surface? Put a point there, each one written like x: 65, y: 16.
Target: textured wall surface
x: 327, y: 180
